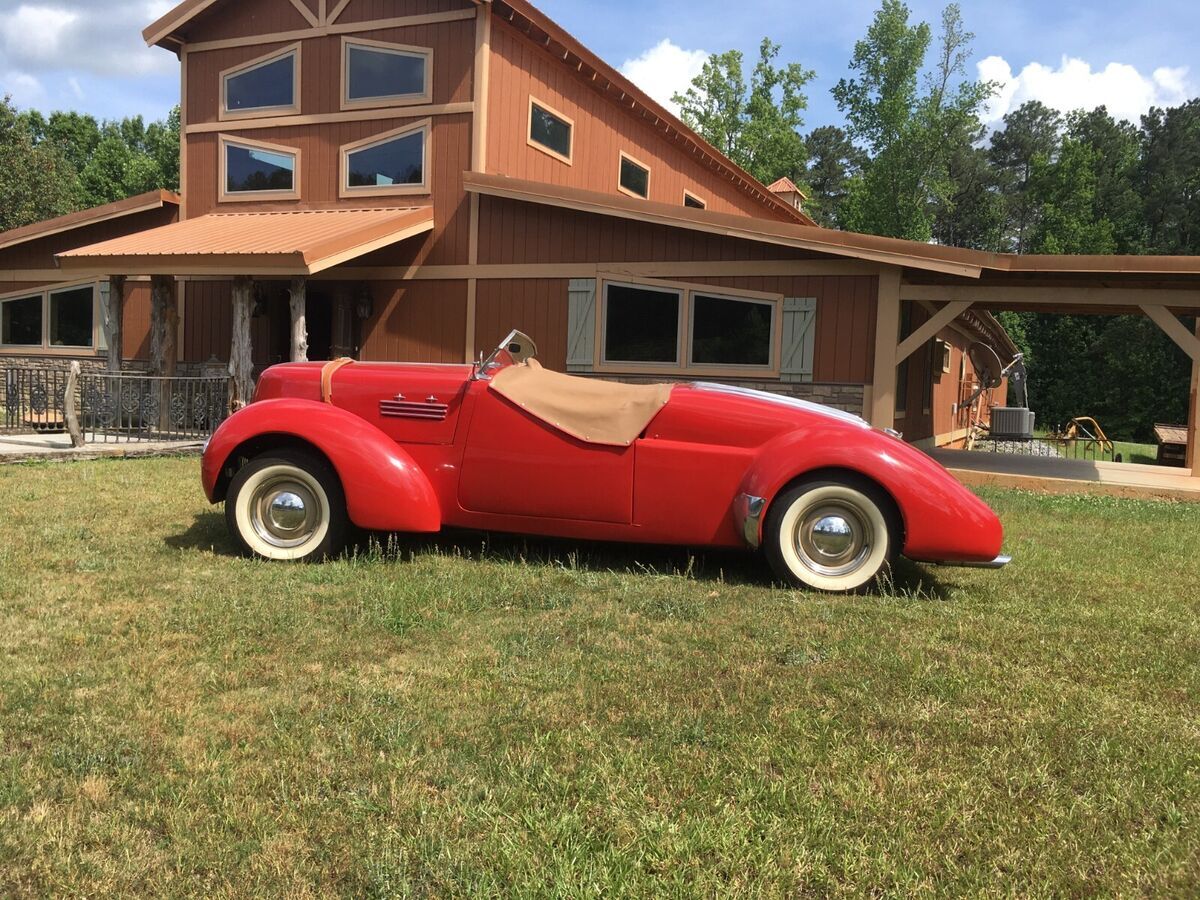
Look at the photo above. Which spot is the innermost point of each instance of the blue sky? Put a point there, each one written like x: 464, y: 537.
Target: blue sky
x: 87, y: 54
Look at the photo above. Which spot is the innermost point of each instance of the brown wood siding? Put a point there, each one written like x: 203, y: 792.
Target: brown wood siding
x: 248, y: 17
x: 416, y: 321
x: 367, y: 10
x: 453, y: 45
x: 514, y: 232
x: 207, y: 321
x: 39, y: 253
x: 603, y: 129
x: 135, y: 321
x: 536, y: 306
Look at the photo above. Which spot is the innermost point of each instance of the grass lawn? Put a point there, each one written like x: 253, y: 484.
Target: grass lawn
x: 475, y: 717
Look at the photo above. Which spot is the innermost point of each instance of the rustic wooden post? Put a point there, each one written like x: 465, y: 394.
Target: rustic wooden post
x: 343, y: 323
x: 241, y: 350
x: 299, y: 294
x: 70, y: 405
x: 114, y: 332
x: 164, y: 325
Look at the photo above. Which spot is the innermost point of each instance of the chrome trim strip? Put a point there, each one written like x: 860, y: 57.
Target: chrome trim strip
x: 998, y: 563
x: 747, y: 514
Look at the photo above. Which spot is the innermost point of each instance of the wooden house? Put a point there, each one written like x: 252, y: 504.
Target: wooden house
x: 409, y: 179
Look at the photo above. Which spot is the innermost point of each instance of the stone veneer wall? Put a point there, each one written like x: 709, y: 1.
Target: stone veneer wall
x: 98, y: 365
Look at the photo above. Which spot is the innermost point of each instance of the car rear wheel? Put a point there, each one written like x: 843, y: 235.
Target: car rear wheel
x: 287, y: 505
x: 832, y: 535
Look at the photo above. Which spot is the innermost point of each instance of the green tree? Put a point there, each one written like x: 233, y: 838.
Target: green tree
x: 756, y: 124
x: 1168, y: 179
x: 971, y: 212
x: 1030, y: 135
x: 833, y: 162
x: 36, y: 180
x: 907, y: 129
x: 1066, y: 194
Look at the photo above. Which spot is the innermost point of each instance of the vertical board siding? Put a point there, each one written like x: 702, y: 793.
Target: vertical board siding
x: 539, y: 307
x: 135, y: 321
x: 39, y: 253
x: 367, y: 10
x: 603, y: 129
x: 248, y: 17
x: 207, y: 329
x: 416, y: 321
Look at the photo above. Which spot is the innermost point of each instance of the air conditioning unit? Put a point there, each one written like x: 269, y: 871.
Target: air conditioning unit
x: 1013, y: 423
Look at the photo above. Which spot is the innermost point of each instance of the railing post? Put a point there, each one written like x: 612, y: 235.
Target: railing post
x: 71, y: 406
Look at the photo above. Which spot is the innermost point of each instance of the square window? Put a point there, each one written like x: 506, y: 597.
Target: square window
x: 635, y: 178
x: 641, y: 324
x: 72, y: 317
x: 21, y: 322
x: 266, y: 84
x: 259, y: 169
x: 729, y: 332
x: 550, y: 131
x: 381, y: 72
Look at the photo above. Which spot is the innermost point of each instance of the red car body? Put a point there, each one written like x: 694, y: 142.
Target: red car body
x: 703, y: 473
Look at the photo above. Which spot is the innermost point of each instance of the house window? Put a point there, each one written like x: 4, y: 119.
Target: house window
x: 251, y: 170
x: 21, y: 322
x: 72, y: 317
x: 634, y: 178
x: 379, y: 74
x: 731, y: 332
x: 641, y: 324
x: 684, y: 327
x: 550, y: 131
x: 267, y: 84
x: 691, y: 201
x: 392, y: 163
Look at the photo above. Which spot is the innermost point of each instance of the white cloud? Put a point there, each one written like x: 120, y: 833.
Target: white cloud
x: 1075, y: 85
x: 664, y: 70
x: 25, y: 89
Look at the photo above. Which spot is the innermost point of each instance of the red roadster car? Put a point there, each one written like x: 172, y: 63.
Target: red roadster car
x: 506, y: 445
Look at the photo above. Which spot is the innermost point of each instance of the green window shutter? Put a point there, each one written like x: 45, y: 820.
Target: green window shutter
x: 581, y: 324
x: 799, y: 339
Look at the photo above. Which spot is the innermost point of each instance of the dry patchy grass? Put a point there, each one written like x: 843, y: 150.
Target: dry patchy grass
x: 478, y: 716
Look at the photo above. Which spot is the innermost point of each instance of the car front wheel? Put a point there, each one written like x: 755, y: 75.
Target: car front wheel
x: 832, y: 535
x: 287, y: 505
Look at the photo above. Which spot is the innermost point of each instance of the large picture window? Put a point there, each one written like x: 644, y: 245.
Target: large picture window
x: 62, y: 319
x: 666, y: 326
x: 267, y: 85
x: 251, y: 170
x: 378, y: 74
x: 392, y: 163
x: 550, y: 131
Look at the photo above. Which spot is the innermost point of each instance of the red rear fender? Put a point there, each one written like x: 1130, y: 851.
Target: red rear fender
x: 385, y: 489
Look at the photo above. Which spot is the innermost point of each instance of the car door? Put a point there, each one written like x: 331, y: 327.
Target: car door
x: 517, y: 465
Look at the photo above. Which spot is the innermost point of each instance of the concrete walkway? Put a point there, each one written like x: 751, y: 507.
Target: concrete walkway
x: 15, y: 448
x: 1069, y: 475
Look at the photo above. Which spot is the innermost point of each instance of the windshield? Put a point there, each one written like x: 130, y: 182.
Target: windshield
x: 513, y: 350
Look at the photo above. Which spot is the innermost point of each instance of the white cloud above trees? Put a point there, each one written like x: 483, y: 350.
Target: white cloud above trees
x: 1075, y: 84
x: 663, y: 71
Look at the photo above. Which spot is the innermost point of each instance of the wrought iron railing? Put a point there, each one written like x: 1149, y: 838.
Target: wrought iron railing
x: 114, y: 407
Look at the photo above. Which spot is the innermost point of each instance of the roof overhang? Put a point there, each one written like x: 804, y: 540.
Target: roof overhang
x: 127, y: 207
x: 279, y: 244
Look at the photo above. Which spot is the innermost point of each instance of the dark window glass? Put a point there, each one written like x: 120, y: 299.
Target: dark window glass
x: 71, y: 317
x: 21, y: 322
x: 398, y: 161
x: 270, y: 85
x: 730, y: 332
x: 375, y: 73
x: 693, y: 202
x: 635, y: 178
x: 248, y: 170
x: 550, y: 131
x: 903, y: 369
x: 641, y: 325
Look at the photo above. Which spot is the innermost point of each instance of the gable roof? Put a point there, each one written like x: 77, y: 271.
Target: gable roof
x: 525, y: 17
x: 785, y: 185
x: 127, y: 207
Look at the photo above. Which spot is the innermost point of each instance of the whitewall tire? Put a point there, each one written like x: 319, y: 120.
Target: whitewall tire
x: 836, y: 535
x: 287, y: 506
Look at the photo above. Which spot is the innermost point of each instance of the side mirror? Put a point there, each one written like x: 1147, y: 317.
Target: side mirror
x: 520, y: 347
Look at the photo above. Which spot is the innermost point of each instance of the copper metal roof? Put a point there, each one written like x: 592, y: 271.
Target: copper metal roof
x: 127, y: 207
x: 294, y: 242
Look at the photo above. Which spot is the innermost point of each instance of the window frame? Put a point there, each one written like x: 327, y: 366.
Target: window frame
x: 549, y: 151
x: 695, y: 197
x: 621, y: 159
x: 684, y: 348
x: 225, y: 114
x: 224, y: 195
x: 345, y: 191
x: 385, y: 101
x: 45, y: 348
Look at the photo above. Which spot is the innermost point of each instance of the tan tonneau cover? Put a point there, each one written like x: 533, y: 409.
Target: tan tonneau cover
x: 598, y: 412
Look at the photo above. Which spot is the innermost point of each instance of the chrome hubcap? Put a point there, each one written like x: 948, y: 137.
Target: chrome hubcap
x: 833, y: 539
x: 285, y: 512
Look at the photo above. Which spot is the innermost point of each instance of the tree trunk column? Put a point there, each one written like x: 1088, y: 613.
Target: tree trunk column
x: 887, y: 340
x: 114, y: 330
x: 164, y: 325
x: 299, y: 295
x: 241, y: 350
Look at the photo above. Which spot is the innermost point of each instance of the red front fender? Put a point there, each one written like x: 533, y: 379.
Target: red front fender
x: 943, y: 521
x: 385, y: 490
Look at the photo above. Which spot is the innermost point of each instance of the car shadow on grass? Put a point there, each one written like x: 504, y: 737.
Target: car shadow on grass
x: 733, y: 567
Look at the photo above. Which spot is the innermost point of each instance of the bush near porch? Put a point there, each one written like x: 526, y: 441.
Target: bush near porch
x: 543, y: 719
